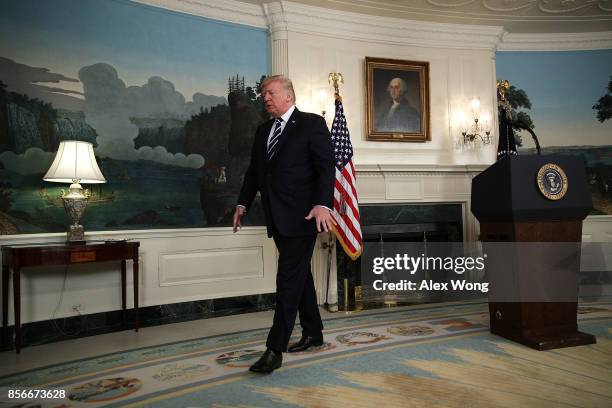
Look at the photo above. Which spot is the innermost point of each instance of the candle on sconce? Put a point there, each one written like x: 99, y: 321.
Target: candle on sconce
x: 485, y: 119
x: 475, y: 107
x: 323, y: 98
x: 461, y: 120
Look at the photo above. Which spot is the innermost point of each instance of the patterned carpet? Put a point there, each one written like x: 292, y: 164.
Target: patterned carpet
x: 434, y: 356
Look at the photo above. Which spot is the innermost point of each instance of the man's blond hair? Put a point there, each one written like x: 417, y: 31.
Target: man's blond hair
x: 284, y: 81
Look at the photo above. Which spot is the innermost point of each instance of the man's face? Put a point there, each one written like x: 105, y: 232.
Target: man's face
x: 395, y: 90
x: 276, y: 99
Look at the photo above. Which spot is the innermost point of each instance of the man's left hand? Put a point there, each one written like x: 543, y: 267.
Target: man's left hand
x: 323, y: 218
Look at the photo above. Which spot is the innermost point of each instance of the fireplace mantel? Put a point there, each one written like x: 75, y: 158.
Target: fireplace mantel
x: 420, y: 183
x: 429, y: 168
x: 394, y: 183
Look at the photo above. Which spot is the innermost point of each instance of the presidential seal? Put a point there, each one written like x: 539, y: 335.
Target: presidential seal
x: 552, y: 181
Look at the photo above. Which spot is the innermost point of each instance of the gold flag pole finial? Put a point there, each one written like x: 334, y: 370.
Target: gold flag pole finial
x: 502, y: 87
x: 336, y: 78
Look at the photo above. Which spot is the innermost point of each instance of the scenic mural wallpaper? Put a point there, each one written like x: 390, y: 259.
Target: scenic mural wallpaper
x: 569, y: 102
x: 170, y: 102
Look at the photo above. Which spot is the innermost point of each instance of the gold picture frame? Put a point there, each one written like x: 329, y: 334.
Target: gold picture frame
x: 397, y: 100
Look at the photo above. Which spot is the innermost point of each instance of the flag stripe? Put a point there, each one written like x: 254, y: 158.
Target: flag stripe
x: 350, y: 208
x: 350, y: 213
x: 349, y: 241
x: 348, y: 247
x: 346, y: 206
x: 349, y: 233
x: 351, y: 175
x: 340, y: 186
x: 350, y: 222
x: 347, y: 185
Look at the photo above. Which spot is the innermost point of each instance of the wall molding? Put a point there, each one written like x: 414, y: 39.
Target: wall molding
x: 355, y: 26
x: 139, y: 235
x: 282, y: 16
x: 413, y: 155
x: 556, y: 42
x: 418, y: 169
x: 226, y: 10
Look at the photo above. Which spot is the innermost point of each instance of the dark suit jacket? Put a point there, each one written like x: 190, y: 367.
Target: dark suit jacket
x: 300, y: 175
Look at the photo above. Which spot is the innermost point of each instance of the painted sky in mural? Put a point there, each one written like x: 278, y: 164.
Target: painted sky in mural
x: 140, y: 41
x: 562, y: 87
x: 146, y: 85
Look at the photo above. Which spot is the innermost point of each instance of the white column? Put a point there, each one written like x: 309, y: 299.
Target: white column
x: 277, y: 25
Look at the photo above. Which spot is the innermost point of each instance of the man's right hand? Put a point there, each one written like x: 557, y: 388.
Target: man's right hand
x: 237, y: 216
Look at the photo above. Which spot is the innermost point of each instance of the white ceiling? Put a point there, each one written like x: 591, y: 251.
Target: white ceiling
x: 516, y: 16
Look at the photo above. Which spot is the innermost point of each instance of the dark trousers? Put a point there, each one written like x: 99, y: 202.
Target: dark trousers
x: 295, y: 291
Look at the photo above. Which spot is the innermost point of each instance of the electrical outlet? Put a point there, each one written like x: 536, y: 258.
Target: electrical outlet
x: 77, y: 308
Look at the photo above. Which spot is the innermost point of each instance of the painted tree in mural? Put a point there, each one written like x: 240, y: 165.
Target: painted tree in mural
x: 604, y: 105
x: 4, y: 130
x: 224, y: 133
x: 44, y: 118
x: 520, y: 119
x: 5, y: 188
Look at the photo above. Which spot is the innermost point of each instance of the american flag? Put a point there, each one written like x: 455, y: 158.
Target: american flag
x: 346, y: 207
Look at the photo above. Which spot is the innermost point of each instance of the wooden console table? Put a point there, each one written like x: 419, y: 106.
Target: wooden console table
x: 16, y: 257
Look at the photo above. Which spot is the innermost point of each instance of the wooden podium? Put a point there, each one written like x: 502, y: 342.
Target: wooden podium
x: 520, y: 201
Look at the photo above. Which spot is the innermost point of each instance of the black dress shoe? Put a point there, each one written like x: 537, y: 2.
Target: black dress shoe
x: 268, y: 362
x: 306, y: 342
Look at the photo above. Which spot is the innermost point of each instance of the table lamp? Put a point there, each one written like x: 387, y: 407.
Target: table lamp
x: 75, y: 163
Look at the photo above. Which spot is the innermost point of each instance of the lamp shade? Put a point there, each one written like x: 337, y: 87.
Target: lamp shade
x: 75, y: 160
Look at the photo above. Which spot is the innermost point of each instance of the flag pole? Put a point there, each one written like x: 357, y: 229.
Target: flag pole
x: 329, y: 245
x: 347, y: 228
x: 336, y: 78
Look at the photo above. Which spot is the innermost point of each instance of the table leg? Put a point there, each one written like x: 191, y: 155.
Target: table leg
x: 136, y: 320
x: 123, y: 291
x: 17, y: 307
x: 5, y: 293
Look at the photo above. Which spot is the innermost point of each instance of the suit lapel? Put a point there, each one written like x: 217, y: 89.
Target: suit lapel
x: 287, y: 131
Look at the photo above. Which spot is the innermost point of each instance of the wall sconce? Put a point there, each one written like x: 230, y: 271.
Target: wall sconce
x: 323, y: 99
x: 476, y: 129
x: 75, y: 163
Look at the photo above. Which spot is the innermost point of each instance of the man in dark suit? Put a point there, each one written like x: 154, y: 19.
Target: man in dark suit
x: 292, y: 166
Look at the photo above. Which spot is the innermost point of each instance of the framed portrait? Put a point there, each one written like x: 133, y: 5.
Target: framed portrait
x: 397, y: 100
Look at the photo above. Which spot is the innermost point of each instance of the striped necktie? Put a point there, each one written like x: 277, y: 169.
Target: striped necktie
x: 273, y: 142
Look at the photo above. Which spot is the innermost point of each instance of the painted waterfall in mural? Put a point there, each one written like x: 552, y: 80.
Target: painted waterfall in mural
x: 563, y: 88
x: 169, y: 101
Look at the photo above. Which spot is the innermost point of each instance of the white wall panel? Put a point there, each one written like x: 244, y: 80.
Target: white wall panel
x: 175, y: 266
x: 210, y: 265
x: 408, y: 188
